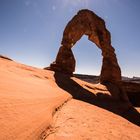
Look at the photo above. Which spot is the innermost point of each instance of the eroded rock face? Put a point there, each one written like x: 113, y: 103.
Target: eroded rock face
x: 88, y: 23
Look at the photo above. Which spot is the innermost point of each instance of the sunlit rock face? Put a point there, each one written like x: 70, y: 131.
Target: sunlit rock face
x: 88, y: 23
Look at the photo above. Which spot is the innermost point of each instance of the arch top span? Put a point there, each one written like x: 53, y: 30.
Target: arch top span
x: 86, y: 22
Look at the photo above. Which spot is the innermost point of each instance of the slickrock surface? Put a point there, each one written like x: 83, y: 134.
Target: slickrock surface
x: 78, y: 120
x: 93, y: 115
x: 28, y: 98
x: 36, y: 104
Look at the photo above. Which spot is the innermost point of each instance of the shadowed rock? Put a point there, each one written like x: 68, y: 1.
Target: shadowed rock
x: 108, y: 102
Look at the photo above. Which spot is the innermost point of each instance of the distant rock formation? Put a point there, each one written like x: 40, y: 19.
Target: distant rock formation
x: 88, y: 23
x: 5, y: 57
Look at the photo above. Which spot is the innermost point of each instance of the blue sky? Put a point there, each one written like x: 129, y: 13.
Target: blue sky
x: 31, y: 32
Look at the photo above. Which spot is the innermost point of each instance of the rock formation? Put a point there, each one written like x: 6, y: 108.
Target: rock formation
x: 88, y: 23
x: 5, y: 57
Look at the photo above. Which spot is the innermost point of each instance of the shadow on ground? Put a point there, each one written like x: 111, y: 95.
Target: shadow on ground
x: 121, y: 108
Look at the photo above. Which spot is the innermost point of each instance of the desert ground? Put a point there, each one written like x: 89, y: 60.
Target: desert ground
x: 37, y: 104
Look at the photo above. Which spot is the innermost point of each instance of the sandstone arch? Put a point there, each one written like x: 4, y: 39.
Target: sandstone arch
x: 88, y: 23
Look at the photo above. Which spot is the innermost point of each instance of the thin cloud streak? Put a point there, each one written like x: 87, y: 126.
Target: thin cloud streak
x: 75, y: 3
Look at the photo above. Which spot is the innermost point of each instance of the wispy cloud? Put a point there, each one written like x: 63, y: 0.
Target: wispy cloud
x: 75, y: 3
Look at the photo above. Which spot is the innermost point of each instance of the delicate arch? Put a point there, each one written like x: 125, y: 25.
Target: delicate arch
x: 88, y: 23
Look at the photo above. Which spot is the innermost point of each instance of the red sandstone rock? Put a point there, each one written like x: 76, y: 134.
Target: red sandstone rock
x: 88, y: 23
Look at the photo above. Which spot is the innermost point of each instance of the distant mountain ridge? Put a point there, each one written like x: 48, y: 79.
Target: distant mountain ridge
x: 95, y: 78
